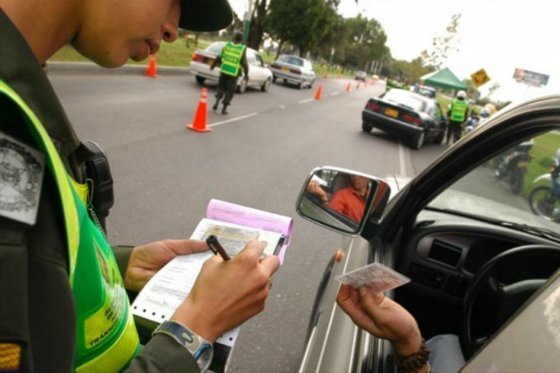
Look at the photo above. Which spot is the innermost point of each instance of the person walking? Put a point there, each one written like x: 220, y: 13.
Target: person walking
x: 457, y: 114
x: 231, y: 59
x: 63, y: 287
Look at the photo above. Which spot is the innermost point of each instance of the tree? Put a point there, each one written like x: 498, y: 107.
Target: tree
x: 442, y: 46
x: 257, y: 24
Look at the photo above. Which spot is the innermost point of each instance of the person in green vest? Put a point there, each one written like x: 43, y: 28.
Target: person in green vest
x: 233, y: 62
x: 457, y: 113
x: 64, y: 291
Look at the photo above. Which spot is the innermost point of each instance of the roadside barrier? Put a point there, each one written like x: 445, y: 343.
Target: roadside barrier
x: 199, y: 119
x: 151, y: 70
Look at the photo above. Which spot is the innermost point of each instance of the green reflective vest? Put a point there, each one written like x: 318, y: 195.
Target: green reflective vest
x: 106, y: 337
x: 459, y: 110
x: 231, y: 58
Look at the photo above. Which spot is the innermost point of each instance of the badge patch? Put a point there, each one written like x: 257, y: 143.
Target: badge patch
x: 21, y: 178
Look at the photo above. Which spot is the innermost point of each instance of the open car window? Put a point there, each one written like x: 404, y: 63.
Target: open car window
x: 519, y: 187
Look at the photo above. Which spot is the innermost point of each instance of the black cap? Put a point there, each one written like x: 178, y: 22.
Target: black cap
x: 205, y: 15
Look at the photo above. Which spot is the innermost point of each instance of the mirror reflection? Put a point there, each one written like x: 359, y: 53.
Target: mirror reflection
x: 337, y: 198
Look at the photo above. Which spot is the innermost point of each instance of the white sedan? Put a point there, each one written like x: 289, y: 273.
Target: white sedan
x: 259, y: 75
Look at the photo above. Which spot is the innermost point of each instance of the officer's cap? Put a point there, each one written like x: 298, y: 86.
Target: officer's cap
x: 205, y: 15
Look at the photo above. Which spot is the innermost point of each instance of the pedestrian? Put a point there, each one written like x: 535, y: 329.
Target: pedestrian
x: 64, y: 304
x: 457, y: 113
x: 231, y: 59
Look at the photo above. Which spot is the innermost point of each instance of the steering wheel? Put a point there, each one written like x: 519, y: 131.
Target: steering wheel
x: 500, y: 287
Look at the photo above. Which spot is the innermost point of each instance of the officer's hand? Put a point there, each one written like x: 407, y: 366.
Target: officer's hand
x: 381, y: 317
x: 146, y: 260
x: 227, y: 293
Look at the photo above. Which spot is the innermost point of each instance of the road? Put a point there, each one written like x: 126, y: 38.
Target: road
x: 258, y: 156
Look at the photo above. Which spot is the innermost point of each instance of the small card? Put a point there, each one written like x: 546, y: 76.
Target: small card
x: 376, y: 276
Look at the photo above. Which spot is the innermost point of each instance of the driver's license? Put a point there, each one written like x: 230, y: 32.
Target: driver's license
x: 376, y: 276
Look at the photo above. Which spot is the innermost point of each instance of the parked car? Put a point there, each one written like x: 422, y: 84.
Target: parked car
x: 409, y: 115
x: 294, y: 70
x: 482, y: 265
x: 259, y: 75
x: 425, y: 90
x: 360, y: 75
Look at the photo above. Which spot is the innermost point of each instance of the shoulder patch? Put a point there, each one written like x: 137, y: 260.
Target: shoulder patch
x: 21, y: 179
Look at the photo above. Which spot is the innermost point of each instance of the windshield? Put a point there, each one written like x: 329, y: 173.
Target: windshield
x: 516, y: 186
x: 291, y: 60
x: 405, y: 98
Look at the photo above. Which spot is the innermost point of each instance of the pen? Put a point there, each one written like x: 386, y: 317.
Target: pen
x: 216, y: 247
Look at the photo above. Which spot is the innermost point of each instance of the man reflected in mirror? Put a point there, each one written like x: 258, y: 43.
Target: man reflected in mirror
x: 351, y: 201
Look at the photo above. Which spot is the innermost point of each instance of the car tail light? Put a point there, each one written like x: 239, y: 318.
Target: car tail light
x: 194, y: 56
x: 275, y: 66
x: 411, y: 119
x: 373, y: 106
x: 294, y: 71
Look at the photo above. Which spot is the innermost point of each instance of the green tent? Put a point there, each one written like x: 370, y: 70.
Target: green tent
x: 444, y: 79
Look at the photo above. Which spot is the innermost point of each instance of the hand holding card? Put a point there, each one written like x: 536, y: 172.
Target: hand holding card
x: 376, y: 276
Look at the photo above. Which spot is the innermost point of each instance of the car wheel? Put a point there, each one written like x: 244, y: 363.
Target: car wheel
x: 300, y: 85
x: 439, y: 138
x: 366, y: 127
x: 418, y: 141
x: 265, y: 85
x: 274, y: 79
x: 242, y: 87
x: 311, y: 84
x: 200, y: 80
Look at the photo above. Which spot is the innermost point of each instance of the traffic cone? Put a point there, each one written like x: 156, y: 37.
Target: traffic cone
x: 199, y: 120
x: 348, y: 87
x: 151, y: 70
x: 318, y: 92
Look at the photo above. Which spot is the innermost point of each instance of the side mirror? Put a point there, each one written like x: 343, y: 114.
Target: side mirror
x: 342, y: 200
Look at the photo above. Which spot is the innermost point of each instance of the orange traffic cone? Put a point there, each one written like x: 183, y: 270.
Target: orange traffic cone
x: 199, y: 120
x: 318, y: 92
x: 348, y: 87
x: 151, y: 70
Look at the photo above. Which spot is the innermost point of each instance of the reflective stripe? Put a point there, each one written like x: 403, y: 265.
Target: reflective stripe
x: 231, y: 58
x: 59, y: 172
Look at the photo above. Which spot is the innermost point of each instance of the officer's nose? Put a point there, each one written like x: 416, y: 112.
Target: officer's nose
x: 171, y: 23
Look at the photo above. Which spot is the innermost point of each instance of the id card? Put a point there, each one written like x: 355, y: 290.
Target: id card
x: 375, y: 276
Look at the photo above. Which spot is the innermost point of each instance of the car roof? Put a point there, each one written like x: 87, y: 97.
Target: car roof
x: 221, y: 44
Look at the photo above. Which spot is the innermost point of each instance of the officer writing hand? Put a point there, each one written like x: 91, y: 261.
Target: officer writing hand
x: 381, y: 317
x: 146, y: 260
x: 227, y: 293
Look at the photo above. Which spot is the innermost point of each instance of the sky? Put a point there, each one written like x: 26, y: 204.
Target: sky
x: 496, y: 35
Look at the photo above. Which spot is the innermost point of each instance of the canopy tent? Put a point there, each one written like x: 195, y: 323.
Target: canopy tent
x: 443, y: 79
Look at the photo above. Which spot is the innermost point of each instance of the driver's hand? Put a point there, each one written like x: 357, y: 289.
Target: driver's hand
x: 381, y: 317
x: 314, y: 188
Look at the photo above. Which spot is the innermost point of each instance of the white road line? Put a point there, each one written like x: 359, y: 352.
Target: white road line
x: 335, y: 93
x: 306, y: 100
x: 233, y: 120
x: 402, y: 163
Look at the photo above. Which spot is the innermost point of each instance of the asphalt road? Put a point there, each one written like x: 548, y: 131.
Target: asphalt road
x: 258, y: 156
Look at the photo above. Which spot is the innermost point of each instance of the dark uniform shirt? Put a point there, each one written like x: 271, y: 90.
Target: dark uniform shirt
x: 37, y: 309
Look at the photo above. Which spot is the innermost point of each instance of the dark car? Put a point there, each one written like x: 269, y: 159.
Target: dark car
x: 409, y: 115
x: 483, y: 266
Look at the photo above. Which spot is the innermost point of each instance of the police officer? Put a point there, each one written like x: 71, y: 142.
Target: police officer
x: 457, y: 114
x: 231, y: 59
x: 63, y: 300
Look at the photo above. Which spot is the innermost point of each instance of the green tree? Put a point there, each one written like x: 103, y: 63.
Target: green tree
x: 364, y: 41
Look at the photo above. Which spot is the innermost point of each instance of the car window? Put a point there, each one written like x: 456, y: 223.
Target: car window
x: 292, y: 60
x: 405, y: 98
x: 516, y: 186
x: 260, y: 61
x: 251, y: 58
x: 215, y: 48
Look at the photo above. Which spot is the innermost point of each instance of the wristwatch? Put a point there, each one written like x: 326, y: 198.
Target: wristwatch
x: 200, y: 349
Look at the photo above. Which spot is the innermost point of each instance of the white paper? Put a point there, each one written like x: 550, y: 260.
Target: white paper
x: 376, y: 276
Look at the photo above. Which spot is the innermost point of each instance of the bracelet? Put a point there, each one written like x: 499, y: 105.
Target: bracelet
x: 411, y: 363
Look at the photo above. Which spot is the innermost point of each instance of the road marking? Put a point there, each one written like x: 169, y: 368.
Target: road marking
x: 401, y: 160
x: 335, y: 93
x: 233, y: 120
x: 306, y: 100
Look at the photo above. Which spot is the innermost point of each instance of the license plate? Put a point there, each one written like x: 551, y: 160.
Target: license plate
x: 391, y: 112
x: 209, y: 61
x: 286, y: 69
x: 523, y: 164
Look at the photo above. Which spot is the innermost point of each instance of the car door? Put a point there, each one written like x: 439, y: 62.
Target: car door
x: 334, y: 342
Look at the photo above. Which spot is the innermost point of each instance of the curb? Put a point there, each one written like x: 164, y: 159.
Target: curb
x: 91, y: 68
